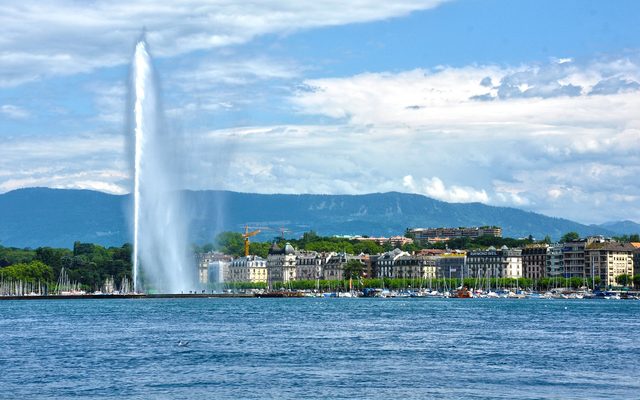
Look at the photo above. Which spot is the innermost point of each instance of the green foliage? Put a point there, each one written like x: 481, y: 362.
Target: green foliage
x: 624, y: 279
x: 231, y: 243
x: 330, y: 245
x: 570, y: 237
x: 33, y: 272
x: 353, y: 269
x: 627, y: 238
x: 12, y: 255
x: 636, y: 281
x: 410, y: 247
x: 88, y: 264
x: 240, y: 285
x: 52, y: 257
x: 367, y: 247
x: 260, y: 249
x: 559, y: 282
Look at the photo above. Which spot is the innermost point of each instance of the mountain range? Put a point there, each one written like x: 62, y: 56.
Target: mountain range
x: 36, y: 217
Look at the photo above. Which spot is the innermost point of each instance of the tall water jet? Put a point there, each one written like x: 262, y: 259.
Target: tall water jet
x: 160, y: 261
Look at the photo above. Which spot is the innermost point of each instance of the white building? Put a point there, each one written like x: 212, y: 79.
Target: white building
x: 247, y: 269
x: 492, y: 263
x: 555, y: 263
x: 608, y: 260
x: 281, y: 264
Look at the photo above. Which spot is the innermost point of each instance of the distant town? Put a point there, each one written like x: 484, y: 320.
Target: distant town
x: 423, y: 256
x: 444, y: 262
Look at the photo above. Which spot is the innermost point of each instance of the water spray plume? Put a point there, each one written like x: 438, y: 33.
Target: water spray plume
x: 160, y: 259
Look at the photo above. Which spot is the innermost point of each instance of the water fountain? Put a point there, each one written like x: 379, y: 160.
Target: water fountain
x: 160, y: 261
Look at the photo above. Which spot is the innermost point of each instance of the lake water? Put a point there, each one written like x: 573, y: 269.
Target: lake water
x: 320, y: 348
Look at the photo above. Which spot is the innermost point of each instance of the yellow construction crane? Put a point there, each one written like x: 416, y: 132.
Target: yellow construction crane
x: 246, y: 235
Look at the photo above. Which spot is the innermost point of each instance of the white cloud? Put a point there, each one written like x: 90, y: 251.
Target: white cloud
x: 73, y: 37
x: 550, y: 145
x: 88, y: 161
x: 14, y: 112
x: 419, y: 131
x: 434, y: 187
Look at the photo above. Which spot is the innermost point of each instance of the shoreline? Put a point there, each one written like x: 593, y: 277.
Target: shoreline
x: 130, y: 296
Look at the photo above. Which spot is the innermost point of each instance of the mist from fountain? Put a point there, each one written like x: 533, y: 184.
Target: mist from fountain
x: 160, y: 261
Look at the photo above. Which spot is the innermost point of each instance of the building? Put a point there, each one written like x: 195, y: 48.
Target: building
x: 451, y: 266
x: 573, y: 259
x: 333, y: 269
x: 431, y: 252
x: 402, y: 265
x: 396, y: 241
x: 534, y: 261
x: 414, y: 267
x: 608, y: 260
x: 203, y: 260
x: 309, y: 264
x: 281, y: 264
x: 636, y: 258
x: 573, y: 256
x: 492, y: 263
x: 248, y: 269
x: 555, y: 261
x: 431, y: 235
x: 383, y: 267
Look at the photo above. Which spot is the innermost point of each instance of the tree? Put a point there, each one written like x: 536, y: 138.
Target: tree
x: 410, y: 247
x: 353, y: 269
x: 309, y: 237
x: 367, y: 247
x: 260, y: 249
x: 32, y: 272
x: 547, y: 239
x: 52, y: 257
x: 570, y: 237
x: 231, y: 243
x: 623, y: 279
x: 636, y: 281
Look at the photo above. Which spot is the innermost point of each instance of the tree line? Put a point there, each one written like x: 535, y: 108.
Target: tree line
x: 87, y: 264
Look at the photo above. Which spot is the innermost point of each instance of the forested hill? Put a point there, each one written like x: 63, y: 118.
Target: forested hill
x: 57, y: 217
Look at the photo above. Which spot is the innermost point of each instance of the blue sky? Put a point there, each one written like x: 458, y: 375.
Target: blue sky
x: 532, y: 104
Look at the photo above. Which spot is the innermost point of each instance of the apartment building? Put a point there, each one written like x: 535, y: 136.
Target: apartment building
x: 492, y: 263
x: 608, y: 260
x: 534, y: 261
x: 247, y: 269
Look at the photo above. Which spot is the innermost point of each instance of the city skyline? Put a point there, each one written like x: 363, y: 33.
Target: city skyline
x: 532, y: 105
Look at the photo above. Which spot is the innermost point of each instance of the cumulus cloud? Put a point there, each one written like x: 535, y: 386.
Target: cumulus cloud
x: 73, y: 37
x: 550, y: 145
x: 419, y: 130
x: 614, y: 85
x: 434, y: 187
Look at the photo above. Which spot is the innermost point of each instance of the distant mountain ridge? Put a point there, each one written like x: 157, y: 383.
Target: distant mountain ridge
x: 622, y: 227
x: 36, y: 217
